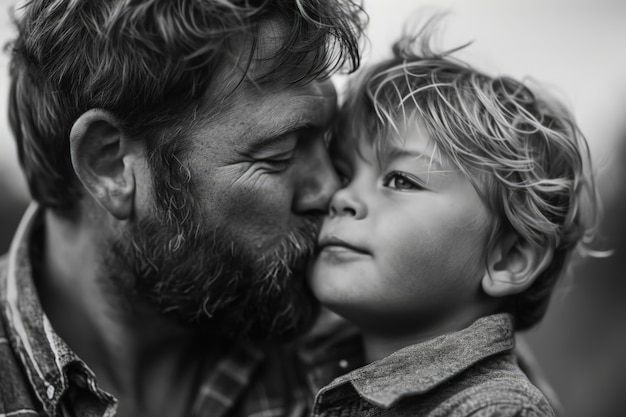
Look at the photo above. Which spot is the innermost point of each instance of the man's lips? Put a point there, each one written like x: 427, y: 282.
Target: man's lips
x: 333, y: 243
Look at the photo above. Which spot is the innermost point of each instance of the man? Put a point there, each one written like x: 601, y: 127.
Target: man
x: 176, y: 154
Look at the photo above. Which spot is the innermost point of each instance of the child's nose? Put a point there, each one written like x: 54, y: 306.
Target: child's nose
x: 346, y: 202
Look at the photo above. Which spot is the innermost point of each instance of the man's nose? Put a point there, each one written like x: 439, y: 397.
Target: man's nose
x: 317, y: 183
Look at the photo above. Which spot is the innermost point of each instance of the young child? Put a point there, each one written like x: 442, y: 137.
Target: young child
x: 464, y: 196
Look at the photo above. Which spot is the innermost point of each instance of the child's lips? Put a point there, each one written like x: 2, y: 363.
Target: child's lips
x: 333, y: 244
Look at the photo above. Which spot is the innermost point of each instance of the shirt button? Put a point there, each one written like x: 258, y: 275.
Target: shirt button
x: 343, y: 364
x: 50, y: 392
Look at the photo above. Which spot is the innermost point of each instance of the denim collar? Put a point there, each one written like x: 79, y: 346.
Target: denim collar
x: 419, y: 368
x: 55, y: 371
x: 50, y: 364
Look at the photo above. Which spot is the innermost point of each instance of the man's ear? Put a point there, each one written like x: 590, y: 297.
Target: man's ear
x: 513, y: 265
x: 102, y: 158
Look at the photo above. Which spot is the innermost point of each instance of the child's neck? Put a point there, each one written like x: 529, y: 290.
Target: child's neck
x: 377, y: 345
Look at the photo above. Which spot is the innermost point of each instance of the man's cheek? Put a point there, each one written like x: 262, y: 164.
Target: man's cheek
x: 260, y: 216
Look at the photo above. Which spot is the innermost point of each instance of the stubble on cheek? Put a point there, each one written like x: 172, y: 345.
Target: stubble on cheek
x: 257, y: 214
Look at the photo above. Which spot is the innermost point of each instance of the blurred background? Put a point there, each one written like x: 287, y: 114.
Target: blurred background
x: 576, y: 49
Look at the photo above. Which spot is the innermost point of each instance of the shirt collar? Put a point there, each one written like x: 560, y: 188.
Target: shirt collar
x: 55, y: 371
x: 49, y: 363
x: 419, y: 368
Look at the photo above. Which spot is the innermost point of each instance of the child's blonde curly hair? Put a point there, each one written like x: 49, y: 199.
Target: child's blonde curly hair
x: 523, y: 153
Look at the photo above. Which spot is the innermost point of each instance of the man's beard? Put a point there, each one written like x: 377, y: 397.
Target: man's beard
x: 206, y: 278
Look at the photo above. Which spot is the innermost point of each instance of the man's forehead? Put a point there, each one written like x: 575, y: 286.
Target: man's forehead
x: 254, y: 115
x: 314, y: 100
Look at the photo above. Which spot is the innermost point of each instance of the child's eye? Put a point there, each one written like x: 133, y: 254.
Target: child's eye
x: 342, y: 173
x: 402, y: 181
x: 343, y: 178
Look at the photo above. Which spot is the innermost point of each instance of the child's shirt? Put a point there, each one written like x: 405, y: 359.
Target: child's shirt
x: 472, y: 372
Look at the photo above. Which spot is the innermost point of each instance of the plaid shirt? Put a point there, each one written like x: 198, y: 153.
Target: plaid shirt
x: 40, y: 375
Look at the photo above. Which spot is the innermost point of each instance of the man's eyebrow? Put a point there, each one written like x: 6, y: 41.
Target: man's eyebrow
x: 305, y: 118
x: 275, y: 137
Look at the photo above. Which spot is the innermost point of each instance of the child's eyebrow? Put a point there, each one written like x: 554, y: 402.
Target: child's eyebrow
x: 434, y: 164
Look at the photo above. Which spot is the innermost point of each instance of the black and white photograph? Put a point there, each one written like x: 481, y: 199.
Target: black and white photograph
x: 312, y: 208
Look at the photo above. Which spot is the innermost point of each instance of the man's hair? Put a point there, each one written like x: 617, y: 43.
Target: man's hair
x: 523, y: 153
x: 150, y: 63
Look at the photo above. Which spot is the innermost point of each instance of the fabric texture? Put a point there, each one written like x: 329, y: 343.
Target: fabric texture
x: 41, y: 376
x: 472, y: 372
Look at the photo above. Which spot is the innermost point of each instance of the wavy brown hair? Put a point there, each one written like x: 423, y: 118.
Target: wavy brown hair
x: 150, y: 63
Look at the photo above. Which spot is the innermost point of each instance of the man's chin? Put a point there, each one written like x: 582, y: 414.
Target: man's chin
x: 255, y: 316
x: 213, y: 281
x: 287, y: 318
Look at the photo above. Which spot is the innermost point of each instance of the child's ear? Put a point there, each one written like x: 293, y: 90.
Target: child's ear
x: 102, y: 158
x: 513, y: 265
